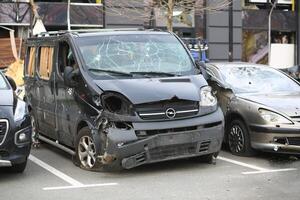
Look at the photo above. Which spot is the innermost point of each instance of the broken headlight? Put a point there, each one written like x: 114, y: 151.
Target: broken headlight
x: 118, y: 104
x: 207, y: 98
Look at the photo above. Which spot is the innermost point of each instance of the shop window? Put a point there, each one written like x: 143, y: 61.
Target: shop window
x: 31, y: 61
x: 46, y: 62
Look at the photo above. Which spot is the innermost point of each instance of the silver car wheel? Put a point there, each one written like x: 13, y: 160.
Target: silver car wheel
x: 87, y: 152
x: 236, y: 139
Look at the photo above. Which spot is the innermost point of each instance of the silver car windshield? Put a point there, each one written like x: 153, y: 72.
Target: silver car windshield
x: 135, y: 53
x: 3, y: 84
x: 258, y: 80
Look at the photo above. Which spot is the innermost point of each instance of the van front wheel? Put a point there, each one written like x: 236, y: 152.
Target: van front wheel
x: 85, y: 149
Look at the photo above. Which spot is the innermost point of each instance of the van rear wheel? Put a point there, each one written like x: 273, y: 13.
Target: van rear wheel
x: 85, y: 149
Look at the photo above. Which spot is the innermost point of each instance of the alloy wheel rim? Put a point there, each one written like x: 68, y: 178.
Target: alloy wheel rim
x: 236, y: 139
x: 87, y: 152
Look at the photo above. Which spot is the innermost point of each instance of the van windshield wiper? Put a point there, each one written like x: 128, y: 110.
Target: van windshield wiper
x: 110, y: 71
x: 154, y: 73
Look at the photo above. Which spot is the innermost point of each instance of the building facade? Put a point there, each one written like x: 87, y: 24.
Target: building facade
x: 234, y: 33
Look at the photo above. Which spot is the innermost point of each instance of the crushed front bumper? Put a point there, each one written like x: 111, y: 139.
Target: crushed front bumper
x: 276, y: 139
x: 181, y: 141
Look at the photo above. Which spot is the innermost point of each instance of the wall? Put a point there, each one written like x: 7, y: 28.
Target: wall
x: 218, y: 32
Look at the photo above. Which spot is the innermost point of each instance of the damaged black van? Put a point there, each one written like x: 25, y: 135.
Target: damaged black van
x: 120, y: 99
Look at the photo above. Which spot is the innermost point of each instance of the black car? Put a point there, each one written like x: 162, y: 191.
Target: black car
x: 261, y: 106
x: 120, y: 99
x: 15, y: 127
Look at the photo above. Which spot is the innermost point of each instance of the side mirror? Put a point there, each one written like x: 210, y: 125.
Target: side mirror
x: 12, y: 83
x: 70, y: 76
x: 202, y: 67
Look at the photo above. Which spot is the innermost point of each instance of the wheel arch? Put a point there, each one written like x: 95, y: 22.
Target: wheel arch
x: 81, y: 124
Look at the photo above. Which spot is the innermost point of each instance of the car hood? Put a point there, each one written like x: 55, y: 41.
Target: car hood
x: 6, y: 98
x: 288, y: 103
x: 148, y: 90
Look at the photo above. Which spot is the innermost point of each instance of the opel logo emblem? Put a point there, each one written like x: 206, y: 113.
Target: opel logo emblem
x: 170, y: 113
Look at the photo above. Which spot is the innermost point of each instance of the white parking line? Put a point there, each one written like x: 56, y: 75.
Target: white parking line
x: 82, y: 186
x: 270, y: 171
x: 73, y: 183
x: 259, y: 170
x: 54, y: 171
x: 241, y: 164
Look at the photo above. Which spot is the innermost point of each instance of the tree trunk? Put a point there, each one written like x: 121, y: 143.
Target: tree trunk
x: 170, y: 15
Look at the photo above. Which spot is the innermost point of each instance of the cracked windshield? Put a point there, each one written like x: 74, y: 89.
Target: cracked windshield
x: 136, y: 54
x: 258, y: 80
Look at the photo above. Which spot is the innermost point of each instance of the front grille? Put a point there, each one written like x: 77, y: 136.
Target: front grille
x: 171, y: 151
x: 159, y: 110
x: 4, y: 153
x: 145, y: 133
x: 288, y: 140
x: 204, y: 146
x: 293, y: 141
x: 164, y: 131
x: 3, y: 129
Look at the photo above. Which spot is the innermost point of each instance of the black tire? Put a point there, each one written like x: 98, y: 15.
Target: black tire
x: 18, y: 168
x: 85, y: 135
x: 238, y: 139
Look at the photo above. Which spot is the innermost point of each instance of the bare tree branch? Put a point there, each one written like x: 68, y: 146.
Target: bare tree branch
x: 143, y: 9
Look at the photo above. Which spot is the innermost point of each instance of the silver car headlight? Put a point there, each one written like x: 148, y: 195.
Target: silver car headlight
x: 20, y: 110
x: 207, y: 98
x: 273, y: 118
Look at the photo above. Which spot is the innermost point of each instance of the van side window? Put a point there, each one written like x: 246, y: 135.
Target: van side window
x: 65, y: 57
x: 31, y: 61
x: 46, y: 62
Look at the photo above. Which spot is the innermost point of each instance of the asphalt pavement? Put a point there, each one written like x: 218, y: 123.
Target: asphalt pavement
x: 50, y: 174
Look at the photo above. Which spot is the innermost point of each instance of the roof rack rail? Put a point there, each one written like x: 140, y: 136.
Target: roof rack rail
x: 61, y: 32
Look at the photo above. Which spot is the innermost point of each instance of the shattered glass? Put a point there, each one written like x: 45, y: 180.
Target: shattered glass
x: 136, y: 53
x: 258, y: 80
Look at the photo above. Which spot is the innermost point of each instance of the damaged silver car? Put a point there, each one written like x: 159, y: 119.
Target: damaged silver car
x: 120, y: 99
x: 261, y: 106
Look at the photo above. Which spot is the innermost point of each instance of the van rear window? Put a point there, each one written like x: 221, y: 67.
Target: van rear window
x: 46, y: 62
x: 31, y: 62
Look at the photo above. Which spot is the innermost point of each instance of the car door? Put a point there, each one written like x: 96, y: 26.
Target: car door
x: 67, y: 111
x: 45, y: 86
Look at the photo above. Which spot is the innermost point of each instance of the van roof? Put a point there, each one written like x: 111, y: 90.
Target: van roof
x: 95, y: 32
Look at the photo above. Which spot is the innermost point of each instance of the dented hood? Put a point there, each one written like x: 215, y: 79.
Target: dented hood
x: 147, y: 90
x: 288, y: 103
